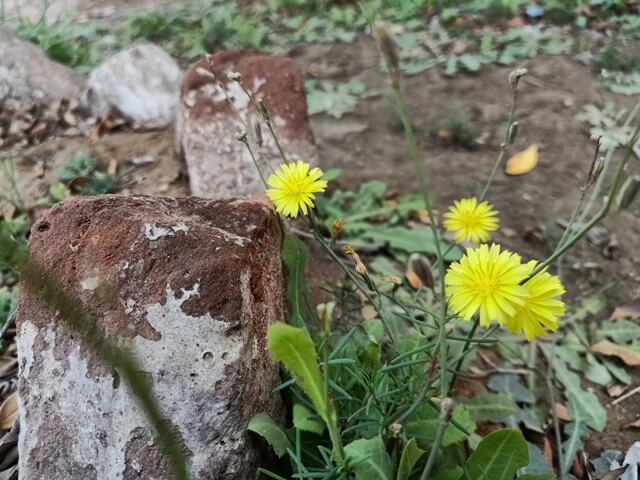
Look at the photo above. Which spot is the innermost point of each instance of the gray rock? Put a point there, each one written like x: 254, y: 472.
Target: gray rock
x: 140, y: 83
x: 198, y: 282
x: 28, y: 76
x: 214, y: 109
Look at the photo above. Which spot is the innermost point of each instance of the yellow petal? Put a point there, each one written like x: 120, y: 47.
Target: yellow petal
x: 523, y: 162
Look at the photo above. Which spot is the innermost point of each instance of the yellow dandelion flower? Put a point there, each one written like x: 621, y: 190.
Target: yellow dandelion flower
x: 471, y: 220
x: 541, y: 309
x: 486, y: 280
x: 293, y: 186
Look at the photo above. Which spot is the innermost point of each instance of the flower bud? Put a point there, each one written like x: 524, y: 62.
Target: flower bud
x: 387, y: 46
x: 325, y: 314
x: 337, y: 226
x: 512, y: 133
x: 515, y: 76
x: 234, y: 76
x: 263, y: 111
x: 258, y: 132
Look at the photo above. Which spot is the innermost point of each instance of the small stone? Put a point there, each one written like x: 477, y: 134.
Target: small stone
x: 214, y: 108
x: 193, y: 303
x: 139, y: 83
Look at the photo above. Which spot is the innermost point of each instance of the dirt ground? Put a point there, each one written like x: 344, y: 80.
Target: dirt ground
x: 368, y: 144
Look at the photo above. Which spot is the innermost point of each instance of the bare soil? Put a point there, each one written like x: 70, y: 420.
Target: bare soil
x: 555, y: 90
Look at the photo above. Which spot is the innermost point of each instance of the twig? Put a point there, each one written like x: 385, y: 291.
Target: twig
x: 10, y: 321
x: 626, y: 395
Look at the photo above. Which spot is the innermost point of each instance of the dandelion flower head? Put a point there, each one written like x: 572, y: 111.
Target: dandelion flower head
x: 470, y: 220
x: 487, y: 280
x: 293, y: 187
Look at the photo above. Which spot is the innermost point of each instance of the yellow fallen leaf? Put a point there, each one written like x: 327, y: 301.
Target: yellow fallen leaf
x: 368, y: 312
x: 626, y: 311
x: 628, y: 356
x: 9, y: 411
x: 522, y: 162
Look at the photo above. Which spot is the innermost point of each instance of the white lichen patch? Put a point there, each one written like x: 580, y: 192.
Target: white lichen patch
x: 101, y: 418
x: 155, y: 232
x: 232, y: 237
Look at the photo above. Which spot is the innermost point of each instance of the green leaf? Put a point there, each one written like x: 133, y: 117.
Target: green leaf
x: 499, y: 455
x: 537, y: 476
x: 419, y: 240
x: 538, y: 464
x: 295, y: 350
x: 294, y: 256
x: 368, y: 459
x: 331, y: 174
x: 620, y: 331
x: 510, y: 384
x: 267, y: 428
x: 410, y: 456
x: 423, y: 425
x: 586, y: 403
x: 490, y: 407
x: 454, y: 473
x: 305, y: 419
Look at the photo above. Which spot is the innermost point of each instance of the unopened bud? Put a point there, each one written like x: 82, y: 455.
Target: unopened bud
x: 263, y: 111
x: 446, y: 408
x: 337, y: 226
x: 628, y: 192
x: 396, y: 429
x: 387, y: 46
x: 512, y: 133
x: 258, y: 131
x: 241, y: 137
x: 325, y: 314
x: 515, y: 76
x: 360, y: 267
x: 597, y: 166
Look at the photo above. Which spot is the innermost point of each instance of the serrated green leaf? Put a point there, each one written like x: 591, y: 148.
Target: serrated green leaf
x: 423, y: 425
x: 267, y: 428
x: 499, y: 455
x: 490, y: 407
x: 419, y: 240
x: 306, y: 420
x: 294, y: 256
x: 368, y: 459
x: 411, y: 453
x: 510, y: 384
x: 290, y: 346
x: 574, y: 432
x: 586, y: 402
x: 620, y: 331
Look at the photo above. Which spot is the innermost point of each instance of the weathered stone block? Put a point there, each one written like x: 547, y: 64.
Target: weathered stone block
x: 198, y: 282
x: 140, y: 83
x: 212, y: 111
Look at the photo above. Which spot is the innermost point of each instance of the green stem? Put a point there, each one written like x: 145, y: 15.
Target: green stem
x: 465, y: 348
x: 334, y: 434
x: 445, y: 416
x: 613, y: 190
x: 503, y: 147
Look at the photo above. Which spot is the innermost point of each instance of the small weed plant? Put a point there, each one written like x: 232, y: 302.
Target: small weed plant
x: 368, y: 376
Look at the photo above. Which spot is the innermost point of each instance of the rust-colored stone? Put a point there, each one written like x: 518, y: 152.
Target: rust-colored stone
x: 198, y: 282
x: 213, y: 111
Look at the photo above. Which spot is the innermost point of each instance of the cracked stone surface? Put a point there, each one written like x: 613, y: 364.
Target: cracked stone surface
x: 198, y: 282
x: 212, y: 111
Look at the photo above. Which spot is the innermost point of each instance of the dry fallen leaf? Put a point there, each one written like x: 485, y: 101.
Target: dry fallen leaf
x: 628, y: 356
x: 418, y: 266
x: 629, y: 312
x: 38, y: 169
x: 368, y: 312
x: 522, y: 162
x: 413, y: 279
x: 562, y: 413
x: 9, y: 411
x: 635, y: 424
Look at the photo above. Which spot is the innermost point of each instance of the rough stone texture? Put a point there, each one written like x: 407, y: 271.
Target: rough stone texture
x: 28, y: 76
x: 140, y: 83
x: 208, y: 123
x: 198, y: 283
